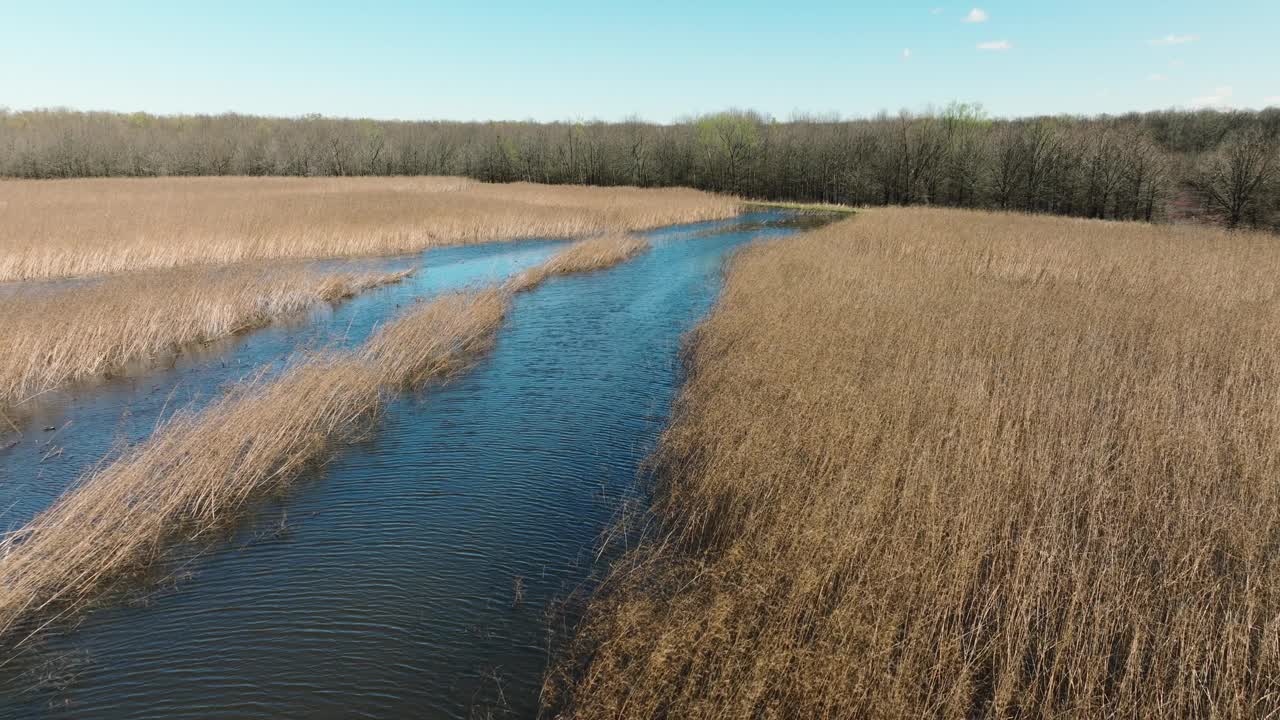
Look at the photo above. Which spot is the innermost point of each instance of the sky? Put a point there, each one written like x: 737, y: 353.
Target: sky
x: 656, y: 59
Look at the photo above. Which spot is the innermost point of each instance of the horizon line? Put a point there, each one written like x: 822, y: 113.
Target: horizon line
x: 796, y: 116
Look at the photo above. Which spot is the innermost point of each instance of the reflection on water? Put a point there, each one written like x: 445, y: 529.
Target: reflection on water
x: 411, y: 576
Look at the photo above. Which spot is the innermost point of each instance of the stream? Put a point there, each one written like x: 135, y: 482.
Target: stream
x: 414, y: 574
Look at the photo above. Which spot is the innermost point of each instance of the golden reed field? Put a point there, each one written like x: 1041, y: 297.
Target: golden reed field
x: 67, y: 228
x: 197, y: 472
x: 60, y: 335
x: 936, y: 463
x: 195, y: 259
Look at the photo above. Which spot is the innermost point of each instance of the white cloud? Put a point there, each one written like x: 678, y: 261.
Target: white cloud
x: 996, y: 45
x: 1172, y: 39
x: 1157, y: 77
x: 1176, y: 63
x: 1221, y: 97
x: 906, y: 53
x: 977, y: 15
x: 1273, y: 101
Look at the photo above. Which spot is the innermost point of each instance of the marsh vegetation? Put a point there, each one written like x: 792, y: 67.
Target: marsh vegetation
x: 93, y: 227
x: 56, y: 336
x: 927, y: 461
x: 934, y: 463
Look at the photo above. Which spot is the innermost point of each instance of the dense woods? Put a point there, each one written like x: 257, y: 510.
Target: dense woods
x: 1222, y: 166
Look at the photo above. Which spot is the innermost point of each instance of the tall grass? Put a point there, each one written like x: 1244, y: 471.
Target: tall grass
x: 188, y: 479
x: 953, y: 464
x: 199, y: 471
x: 436, y: 339
x: 51, y: 229
x: 54, y: 337
x: 583, y: 256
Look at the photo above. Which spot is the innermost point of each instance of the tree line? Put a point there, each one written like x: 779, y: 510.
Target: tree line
x: 1223, y: 166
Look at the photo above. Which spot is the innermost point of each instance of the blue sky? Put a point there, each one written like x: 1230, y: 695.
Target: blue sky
x: 658, y: 59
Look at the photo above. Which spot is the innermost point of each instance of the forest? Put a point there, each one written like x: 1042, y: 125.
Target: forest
x: 1209, y: 165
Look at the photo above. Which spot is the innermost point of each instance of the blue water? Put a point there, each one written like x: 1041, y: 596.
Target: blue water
x: 385, y: 584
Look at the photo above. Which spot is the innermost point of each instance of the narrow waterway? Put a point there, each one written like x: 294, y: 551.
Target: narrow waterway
x: 413, y: 575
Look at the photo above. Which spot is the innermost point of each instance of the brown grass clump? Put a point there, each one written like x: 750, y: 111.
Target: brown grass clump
x: 188, y: 479
x: 437, y: 338
x: 59, y: 336
x: 51, y: 229
x: 583, y: 256
x: 952, y: 464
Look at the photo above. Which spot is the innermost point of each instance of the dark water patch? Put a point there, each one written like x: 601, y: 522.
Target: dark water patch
x: 413, y: 575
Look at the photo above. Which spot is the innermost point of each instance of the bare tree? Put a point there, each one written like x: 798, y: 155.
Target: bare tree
x: 1232, y: 179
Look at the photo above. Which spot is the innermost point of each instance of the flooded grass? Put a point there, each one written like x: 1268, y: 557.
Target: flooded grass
x: 57, y: 336
x: 195, y: 473
x: 57, y: 229
x: 955, y: 464
x: 437, y: 338
x: 583, y: 256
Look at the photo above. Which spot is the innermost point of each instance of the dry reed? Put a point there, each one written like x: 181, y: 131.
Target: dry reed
x: 51, y: 229
x: 54, y: 337
x: 436, y: 339
x: 951, y: 464
x: 583, y: 256
x: 194, y: 473
x: 440, y: 337
x: 197, y: 472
